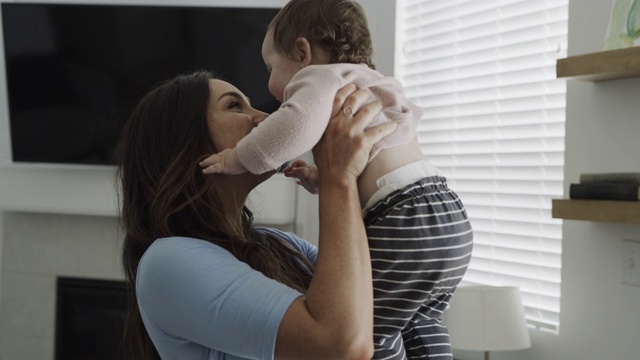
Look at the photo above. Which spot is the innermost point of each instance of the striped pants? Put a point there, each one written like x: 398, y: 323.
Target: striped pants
x: 420, y: 241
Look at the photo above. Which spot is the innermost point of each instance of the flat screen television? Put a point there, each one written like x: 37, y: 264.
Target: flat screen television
x: 75, y: 70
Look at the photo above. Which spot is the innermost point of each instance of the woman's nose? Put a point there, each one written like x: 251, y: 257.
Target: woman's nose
x: 259, y: 117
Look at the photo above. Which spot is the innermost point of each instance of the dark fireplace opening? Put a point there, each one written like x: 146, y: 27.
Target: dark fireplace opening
x: 90, y: 317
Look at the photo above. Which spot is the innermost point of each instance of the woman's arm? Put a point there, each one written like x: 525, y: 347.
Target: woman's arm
x: 335, y: 318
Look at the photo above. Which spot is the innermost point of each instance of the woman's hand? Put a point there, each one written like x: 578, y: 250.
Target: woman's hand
x: 343, y: 150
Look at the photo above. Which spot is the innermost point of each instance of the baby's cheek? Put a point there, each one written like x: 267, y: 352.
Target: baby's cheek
x: 275, y: 90
x: 271, y: 90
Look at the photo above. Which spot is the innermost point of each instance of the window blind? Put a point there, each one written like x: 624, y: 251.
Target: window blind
x: 484, y: 71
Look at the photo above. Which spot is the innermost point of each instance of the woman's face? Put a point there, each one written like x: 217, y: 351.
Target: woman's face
x: 230, y: 116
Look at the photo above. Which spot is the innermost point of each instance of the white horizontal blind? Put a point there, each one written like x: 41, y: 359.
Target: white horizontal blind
x: 484, y: 71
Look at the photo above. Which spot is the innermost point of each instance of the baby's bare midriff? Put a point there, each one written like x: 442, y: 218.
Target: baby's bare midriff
x: 386, y: 161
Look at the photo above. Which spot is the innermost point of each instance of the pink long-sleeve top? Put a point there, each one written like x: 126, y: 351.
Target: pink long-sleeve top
x: 304, y: 114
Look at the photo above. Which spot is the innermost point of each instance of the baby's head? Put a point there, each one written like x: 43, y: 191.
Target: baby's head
x: 336, y: 31
x: 338, y: 26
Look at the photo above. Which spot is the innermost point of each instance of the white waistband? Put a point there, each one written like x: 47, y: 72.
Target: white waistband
x: 401, y: 177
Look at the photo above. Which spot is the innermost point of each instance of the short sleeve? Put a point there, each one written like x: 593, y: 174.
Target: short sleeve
x: 195, y: 292
x: 304, y: 247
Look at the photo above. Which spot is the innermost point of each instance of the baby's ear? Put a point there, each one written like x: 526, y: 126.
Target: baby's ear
x: 303, y: 52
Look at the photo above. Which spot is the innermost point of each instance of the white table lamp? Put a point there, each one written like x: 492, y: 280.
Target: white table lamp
x: 487, y: 318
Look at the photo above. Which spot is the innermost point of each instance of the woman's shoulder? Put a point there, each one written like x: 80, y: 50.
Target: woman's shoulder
x: 302, y: 246
x: 173, y: 243
x: 197, y: 294
x: 277, y: 232
x: 288, y: 237
x: 176, y: 251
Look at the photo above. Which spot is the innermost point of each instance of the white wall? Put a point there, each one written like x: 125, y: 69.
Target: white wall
x: 382, y: 22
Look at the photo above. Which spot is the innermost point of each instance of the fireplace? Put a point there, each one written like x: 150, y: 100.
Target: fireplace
x: 90, y: 316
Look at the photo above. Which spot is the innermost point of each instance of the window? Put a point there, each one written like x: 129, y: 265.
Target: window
x: 484, y: 71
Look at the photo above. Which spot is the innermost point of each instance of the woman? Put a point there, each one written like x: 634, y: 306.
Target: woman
x: 206, y: 283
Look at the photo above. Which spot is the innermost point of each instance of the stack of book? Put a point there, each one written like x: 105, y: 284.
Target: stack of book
x: 622, y: 186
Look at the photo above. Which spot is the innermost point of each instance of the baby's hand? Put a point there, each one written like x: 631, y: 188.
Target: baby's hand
x: 305, y: 174
x: 224, y: 162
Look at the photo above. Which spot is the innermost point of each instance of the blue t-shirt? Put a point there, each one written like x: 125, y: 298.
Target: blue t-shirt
x: 198, y: 301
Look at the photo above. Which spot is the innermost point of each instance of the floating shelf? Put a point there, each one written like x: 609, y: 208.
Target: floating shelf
x: 600, y: 66
x: 626, y: 212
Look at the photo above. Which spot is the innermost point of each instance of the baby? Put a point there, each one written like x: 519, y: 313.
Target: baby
x: 419, y: 235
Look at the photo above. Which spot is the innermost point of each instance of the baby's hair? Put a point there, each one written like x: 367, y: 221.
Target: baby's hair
x: 339, y: 26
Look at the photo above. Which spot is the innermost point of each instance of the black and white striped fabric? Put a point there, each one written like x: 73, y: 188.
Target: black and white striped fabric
x: 420, y: 241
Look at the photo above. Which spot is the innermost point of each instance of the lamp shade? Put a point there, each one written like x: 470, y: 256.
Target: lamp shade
x: 487, y: 318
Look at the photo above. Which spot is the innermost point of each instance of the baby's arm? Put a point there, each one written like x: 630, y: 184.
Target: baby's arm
x: 297, y: 126
x: 306, y: 175
x: 224, y: 162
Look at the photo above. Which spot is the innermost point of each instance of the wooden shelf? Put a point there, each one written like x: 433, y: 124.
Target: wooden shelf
x: 600, y: 66
x: 625, y: 212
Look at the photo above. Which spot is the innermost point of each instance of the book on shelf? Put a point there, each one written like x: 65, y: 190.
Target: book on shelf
x: 611, y: 177
x: 605, y: 191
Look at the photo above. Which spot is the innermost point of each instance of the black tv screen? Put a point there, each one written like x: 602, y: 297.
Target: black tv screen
x: 75, y: 71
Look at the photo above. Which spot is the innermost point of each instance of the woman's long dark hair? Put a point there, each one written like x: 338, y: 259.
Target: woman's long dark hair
x: 164, y: 193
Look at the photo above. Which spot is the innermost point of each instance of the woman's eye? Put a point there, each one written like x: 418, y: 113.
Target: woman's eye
x: 234, y: 105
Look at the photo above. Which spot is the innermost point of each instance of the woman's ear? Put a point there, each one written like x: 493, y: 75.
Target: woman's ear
x: 303, y: 52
